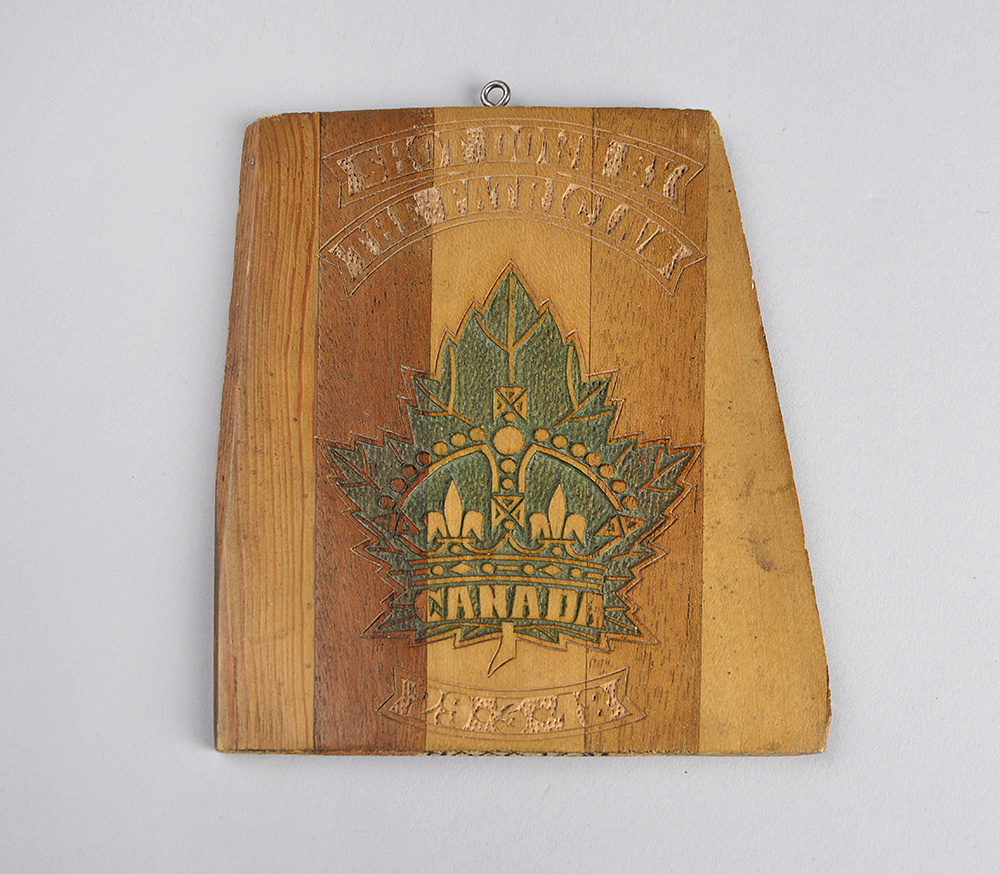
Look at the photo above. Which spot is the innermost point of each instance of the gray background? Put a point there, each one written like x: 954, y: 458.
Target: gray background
x: 863, y: 141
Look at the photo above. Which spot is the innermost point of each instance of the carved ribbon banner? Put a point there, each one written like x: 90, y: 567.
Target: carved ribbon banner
x: 443, y: 707
x: 635, y: 166
x: 623, y: 192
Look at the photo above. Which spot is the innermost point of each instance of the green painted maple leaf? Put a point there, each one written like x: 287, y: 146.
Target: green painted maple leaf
x: 512, y: 507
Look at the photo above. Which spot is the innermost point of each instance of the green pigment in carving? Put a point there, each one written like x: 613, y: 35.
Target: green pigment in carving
x: 512, y: 505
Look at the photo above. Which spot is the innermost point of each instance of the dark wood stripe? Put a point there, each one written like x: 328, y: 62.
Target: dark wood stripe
x: 656, y: 343
x: 266, y: 475
x: 366, y: 339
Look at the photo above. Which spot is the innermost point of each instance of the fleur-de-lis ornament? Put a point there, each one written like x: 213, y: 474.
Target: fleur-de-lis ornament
x: 514, y: 512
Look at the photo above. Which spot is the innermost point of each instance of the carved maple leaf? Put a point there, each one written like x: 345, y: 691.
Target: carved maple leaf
x: 512, y: 456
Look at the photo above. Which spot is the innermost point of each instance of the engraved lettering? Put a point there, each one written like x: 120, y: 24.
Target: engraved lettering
x: 350, y: 258
x: 614, y: 158
x: 525, y: 603
x: 591, y: 612
x: 474, y: 146
x: 484, y: 714
x: 532, y: 192
x: 663, y: 250
x: 561, y: 141
x: 370, y: 165
x: 444, y: 144
x: 617, y: 214
x: 379, y: 230
x: 625, y: 162
x: 460, y: 603
x: 562, y: 605
x: 395, y: 220
x: 455, y: 198
x: 649, y: 174
x: 430, y: 205
x: 355, y: 181
x: 430, y: 605
x: 413, y: 694
x: 549, y: 196
x: 414, y: 216
x: 445, y: 713
x: 493, y: 602
x: 543, y: 152
x: 670, y: 186
x: 483, y: 194
x: 420, y: 151
x: 442, y: 707
x: 591, y: 707
x: 399, y: 164
x: 514, y: 193
x: 615, y: 707
x: 369, y: 241
x: 515, y: 135
x: 629, y: 227
x: 539, y: 715
x: 583, y: 210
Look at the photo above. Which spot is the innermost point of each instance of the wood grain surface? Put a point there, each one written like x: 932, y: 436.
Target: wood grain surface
x: 764, y: 679
x: 636, y: 332
x: 363, y: 381
x: 266, y: 509
x: 501, y: 464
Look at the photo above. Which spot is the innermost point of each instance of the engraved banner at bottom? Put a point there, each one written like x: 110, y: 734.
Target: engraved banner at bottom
x: 592, y: 705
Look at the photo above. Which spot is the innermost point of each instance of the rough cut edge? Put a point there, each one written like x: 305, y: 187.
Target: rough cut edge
x: 791, y: 720
x: 264, y: 596
x: 224, y: 722
x: 225, y: 728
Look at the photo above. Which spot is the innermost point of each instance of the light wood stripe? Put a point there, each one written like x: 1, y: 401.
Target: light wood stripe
x: 466, y: 262
x: 763, y: 676
x: 655, y: 342
x: 367, y: 341
x: 266, y: 523
x: 733, y: 658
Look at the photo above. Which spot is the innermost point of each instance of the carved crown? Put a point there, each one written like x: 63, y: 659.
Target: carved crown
x: 511, y: 503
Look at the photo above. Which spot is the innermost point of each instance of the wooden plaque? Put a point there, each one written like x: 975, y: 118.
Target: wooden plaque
x: 501, y: 464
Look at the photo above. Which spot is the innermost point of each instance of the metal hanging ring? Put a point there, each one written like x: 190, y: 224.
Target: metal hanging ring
x: 504, y: 93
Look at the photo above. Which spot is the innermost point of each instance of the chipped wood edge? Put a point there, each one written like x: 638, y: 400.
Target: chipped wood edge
x: 265, y: 505
x: 765, y: 687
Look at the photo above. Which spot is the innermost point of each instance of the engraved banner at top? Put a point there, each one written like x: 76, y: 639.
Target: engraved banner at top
x: 394, y: 160
x: 622, y: 192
